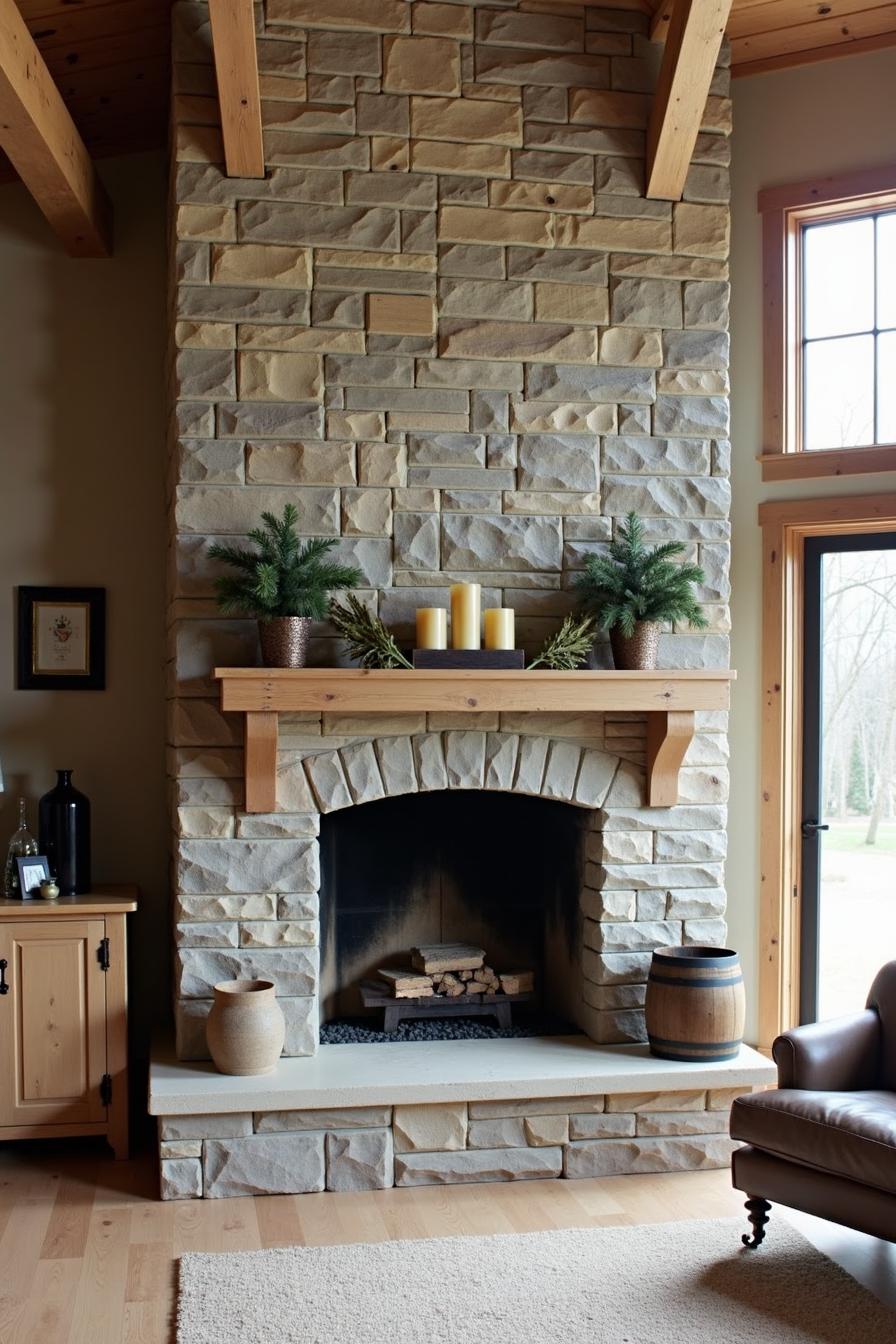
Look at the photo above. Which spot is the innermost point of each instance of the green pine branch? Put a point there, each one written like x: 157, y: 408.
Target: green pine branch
x: 632, y: 583
x: 284, y: 575
x: 569, y: 647
x: 369, y: 642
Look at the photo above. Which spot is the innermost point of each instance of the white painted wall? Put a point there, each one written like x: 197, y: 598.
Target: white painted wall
x: 833, y: 117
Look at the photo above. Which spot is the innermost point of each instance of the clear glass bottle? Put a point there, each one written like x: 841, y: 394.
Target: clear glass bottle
x: 21, y: 845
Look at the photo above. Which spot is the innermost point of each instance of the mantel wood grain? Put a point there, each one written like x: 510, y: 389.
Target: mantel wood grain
x: 668, y: 698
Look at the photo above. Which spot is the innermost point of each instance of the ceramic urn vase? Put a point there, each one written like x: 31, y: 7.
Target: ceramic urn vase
x: 245, y: 1029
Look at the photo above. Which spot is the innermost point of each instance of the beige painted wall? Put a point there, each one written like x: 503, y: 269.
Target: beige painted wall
x: 82, y: 501
x: 828, y: 118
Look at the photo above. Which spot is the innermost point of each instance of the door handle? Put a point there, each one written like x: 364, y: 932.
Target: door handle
x: 4, y: 987
x: 810, y: 828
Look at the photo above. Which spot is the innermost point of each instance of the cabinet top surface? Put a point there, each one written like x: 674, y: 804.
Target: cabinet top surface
x: 111, y: 900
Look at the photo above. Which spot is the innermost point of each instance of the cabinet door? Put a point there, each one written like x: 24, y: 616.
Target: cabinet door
x: 52, y: 1022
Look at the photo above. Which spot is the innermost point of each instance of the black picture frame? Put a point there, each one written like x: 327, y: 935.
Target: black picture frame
x: 23, y: 866
x: 80, y: 614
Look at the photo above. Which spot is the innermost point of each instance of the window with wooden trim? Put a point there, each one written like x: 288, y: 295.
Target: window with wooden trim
x: 829, y: 338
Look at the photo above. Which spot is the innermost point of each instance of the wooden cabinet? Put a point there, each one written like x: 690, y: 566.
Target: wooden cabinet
x: 63, y: 1017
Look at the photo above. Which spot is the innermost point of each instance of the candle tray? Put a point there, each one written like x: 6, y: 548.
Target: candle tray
x: 474, y: 660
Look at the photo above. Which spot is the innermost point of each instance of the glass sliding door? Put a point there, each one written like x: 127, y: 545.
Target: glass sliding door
x: 848, y: 924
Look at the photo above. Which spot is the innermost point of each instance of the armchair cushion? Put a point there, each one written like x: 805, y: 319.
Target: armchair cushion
x: 851, y: 1134
x: 840, y: 1055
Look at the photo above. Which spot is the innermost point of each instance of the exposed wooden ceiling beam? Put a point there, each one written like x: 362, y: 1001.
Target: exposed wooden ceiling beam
x: 43, y: 143
x: 696, y: 29
x: 660, y: 20
x: 236, y: 66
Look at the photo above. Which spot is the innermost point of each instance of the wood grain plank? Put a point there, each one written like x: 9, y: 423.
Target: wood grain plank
x: 822, y: 32
x: 39, y: 137
x: 695, y: 34
x: 236, y: 66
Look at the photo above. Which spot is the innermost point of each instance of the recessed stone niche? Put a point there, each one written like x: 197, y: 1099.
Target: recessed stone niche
x: 450, y: 328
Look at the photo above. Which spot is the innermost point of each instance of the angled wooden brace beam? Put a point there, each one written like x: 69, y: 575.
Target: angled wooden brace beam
x: 236, y: 67
x: 696, y: 29
x: 43, y: 143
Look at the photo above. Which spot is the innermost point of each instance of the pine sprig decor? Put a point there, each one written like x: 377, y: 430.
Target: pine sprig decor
x: 369, y: 642
x: 285, y: 576
x: 569, y: 647
x: 635, y: 583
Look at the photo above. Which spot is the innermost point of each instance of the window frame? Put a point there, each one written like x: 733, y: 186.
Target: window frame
x: 785, y: 210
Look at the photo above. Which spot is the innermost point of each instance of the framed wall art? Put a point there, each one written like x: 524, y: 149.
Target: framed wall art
x: 62, y: 639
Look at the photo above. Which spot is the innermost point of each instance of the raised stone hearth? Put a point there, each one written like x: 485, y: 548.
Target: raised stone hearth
x: 367, y: 1117
x: 448, y: 326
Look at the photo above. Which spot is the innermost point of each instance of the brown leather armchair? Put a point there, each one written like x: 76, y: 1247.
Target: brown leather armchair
x: 824, y: 1140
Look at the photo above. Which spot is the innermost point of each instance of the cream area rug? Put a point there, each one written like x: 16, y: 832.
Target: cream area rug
x: 668, y: 1283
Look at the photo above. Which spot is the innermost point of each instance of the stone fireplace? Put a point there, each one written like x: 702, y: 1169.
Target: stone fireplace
x: 448, y: 326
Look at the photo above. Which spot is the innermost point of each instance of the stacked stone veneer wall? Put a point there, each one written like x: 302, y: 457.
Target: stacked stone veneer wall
x: 376, y: 1147
x: 449, y: 327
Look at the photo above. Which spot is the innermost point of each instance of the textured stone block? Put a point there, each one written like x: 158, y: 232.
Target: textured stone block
x: 185, y: 1148
x: 438, y: 1128
x: 325, y: 226
x: 469, y: 224
x: 699, y: 496
x: 367, y: 513
x: 500, y: 543
x: 245, y: 865
x: 542, y: 417
x: 275, y: 376
x: 602, y: 1126
x: 467, y: 120
x: 273, y: 1164
x: 549, y: 32
x: 312, y: 463
x: 557, y: 462
x: 509, y: 1132
x: 658, y: 1124
x: 611, y: 1157
x: 501, y: 1164
x: 645, y: 303
x: 465, y: 759
x: 180, y: 1178
x: 517, y: 341
x: 293, y: 971
x: 580, y: 382
x: 259, y: 264
x: 429, y: 65
x: 353, y: 1117
x: 701, y: 230
x: 506, y: 65
x: 640, y: 454
x: 360, y: 1161
x: 471, y: 160
x: 386, y: 16
x: 582, y: 304
x: 485, y: 298
x: 546, y: 1131
x: 279, y: 933
x: 396, y: 760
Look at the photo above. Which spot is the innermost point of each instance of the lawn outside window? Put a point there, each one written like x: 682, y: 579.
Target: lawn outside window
x: 829, y: 328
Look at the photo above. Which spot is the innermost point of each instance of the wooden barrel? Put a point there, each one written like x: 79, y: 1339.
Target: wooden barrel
x: 695, y: 1003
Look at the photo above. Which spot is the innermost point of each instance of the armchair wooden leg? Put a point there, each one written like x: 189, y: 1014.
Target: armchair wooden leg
x: 757, y: 1211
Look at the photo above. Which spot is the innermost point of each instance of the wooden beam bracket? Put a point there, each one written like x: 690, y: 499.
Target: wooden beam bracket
x: 42, y: 142
x: 695, y: 32
x: 239, y: 98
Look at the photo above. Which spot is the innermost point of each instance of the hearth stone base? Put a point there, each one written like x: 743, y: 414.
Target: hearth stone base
x: 587, y: 1127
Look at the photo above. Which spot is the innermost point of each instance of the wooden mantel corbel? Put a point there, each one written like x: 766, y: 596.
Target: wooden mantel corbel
x: 668, y: 699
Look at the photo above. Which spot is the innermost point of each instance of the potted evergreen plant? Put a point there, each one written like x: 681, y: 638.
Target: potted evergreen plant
x: 634, y: 589
x: 285, y: 584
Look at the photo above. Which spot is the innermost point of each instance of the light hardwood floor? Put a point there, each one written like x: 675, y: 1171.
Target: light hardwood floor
x: 88, y: 1253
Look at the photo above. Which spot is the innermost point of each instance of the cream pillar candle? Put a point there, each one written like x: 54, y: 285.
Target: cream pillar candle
x: 499, y: 628
x: 465, y: 601
x: 432, y: 628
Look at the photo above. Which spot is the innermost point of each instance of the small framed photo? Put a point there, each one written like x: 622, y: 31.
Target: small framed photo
x: 62, y: 639
x: 32, y: 871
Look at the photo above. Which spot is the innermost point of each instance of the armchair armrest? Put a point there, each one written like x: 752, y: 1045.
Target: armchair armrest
x: 842, y: 1055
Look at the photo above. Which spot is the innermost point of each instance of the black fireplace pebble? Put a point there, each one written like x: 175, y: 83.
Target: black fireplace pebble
x: 357, y: 1031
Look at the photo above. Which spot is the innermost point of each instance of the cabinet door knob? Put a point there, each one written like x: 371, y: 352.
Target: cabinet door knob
x: 4, y: 987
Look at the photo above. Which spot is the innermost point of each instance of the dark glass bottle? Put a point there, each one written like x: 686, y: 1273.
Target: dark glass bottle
x: 64, y: 830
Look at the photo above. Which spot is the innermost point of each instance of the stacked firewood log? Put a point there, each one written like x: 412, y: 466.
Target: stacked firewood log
x: 452, y: 971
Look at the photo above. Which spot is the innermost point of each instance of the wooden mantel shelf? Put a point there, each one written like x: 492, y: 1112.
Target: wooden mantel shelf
x: 669, y: 700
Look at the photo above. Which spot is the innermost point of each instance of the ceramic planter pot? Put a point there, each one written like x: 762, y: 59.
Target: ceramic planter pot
x: 245, y: 1028
x: 284, y: 641
x: 636, y: 652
